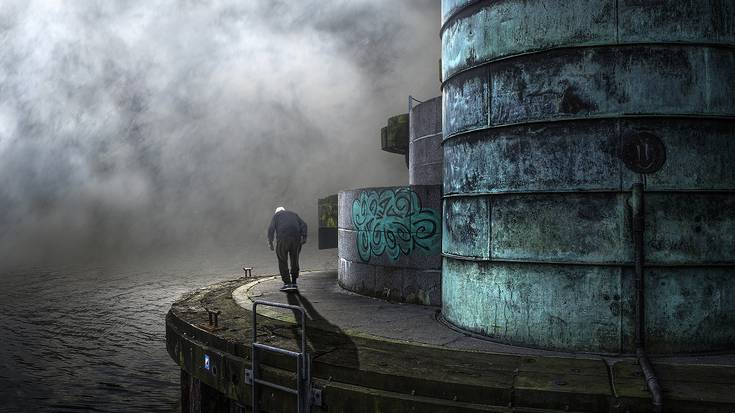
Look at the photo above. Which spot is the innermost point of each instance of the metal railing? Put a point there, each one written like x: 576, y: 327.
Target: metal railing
x: 303, y: 391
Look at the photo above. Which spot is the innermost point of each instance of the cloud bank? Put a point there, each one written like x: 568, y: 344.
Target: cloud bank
x: 132, y: 126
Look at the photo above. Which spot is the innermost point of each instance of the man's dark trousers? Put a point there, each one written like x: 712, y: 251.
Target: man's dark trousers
x: 288, y: 248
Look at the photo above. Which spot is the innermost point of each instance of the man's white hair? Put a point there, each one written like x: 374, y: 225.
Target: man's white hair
x: 279, y: 209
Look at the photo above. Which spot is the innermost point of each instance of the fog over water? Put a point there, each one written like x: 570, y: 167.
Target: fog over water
x: 130, y: 126
x: 143, y: 147
x: 91, y: 338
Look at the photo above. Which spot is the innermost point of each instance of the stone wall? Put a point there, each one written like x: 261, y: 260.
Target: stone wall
x: 390, y: 243
x: 425, y: 152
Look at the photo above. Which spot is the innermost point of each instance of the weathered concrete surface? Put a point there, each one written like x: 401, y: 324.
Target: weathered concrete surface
x: 420, y: 258
x: 539, y: 100
x: 391, y: 237
x: 465, y: 102
x: 501, y: 29
x: 537, y: 228
x: 696, y: 304
x: 369, y: 355
x: 592, y: 83
x: 406, y: 285
x: 466, y: 230
x: 691, y: 229
x: 539, y: 305
x: 451, y: 6
x: 527, y: 158
x: 583, y: 156
x: 425, y: 152
x: 506, y: 28
x: 429, y: 196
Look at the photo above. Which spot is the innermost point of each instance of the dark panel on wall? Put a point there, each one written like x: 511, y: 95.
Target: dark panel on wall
x: 328, y: 220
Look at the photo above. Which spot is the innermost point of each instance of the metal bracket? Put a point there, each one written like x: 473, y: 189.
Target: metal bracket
x: 316, y: 397
x: 213, y: 317
x: 412, y: 99
x: 316, y: 393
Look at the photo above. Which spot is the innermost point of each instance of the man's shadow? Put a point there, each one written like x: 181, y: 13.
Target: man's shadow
x: 329, y: 343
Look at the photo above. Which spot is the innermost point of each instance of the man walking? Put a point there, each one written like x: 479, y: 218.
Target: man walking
x: 290, y: 232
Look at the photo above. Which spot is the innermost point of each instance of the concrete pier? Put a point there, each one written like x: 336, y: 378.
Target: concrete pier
x: 371, y: 355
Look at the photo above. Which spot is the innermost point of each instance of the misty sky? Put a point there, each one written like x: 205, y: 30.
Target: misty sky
x: 130, y: 125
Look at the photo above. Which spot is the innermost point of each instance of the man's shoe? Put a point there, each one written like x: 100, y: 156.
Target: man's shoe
x: 286, y: 287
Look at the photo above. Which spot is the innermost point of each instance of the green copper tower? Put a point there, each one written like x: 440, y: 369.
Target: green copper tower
x: 542, y: 102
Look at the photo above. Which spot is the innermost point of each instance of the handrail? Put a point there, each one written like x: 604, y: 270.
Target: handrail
x: 303, y: 373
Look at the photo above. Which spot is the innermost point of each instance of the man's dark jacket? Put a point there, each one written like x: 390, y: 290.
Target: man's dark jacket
x: 286, y: 224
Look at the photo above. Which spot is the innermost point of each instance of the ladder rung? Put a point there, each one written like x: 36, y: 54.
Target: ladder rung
x: 303, y: 375
x: 276, y: 350
x: 277, y: 386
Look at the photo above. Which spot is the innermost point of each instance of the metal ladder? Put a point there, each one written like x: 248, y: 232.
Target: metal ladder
x: 305, y: 395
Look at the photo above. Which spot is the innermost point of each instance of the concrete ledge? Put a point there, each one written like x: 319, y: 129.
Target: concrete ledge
x: 358, y: 370
x: 406, y: 285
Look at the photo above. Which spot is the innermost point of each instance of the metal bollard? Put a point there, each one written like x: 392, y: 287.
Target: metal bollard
x: 213, y: 317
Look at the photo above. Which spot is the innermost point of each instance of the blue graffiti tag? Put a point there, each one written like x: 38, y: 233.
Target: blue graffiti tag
x: 394, y: 222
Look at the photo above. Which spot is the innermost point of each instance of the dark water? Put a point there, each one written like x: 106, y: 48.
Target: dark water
x: 92, y: 338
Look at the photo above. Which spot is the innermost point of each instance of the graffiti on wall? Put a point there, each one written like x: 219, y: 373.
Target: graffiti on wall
x: 393, y: 222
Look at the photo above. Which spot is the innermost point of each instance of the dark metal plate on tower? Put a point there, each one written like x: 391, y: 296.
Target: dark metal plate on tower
x: 394, y: 137
x: 328, y: 222
x: 643, y: 152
